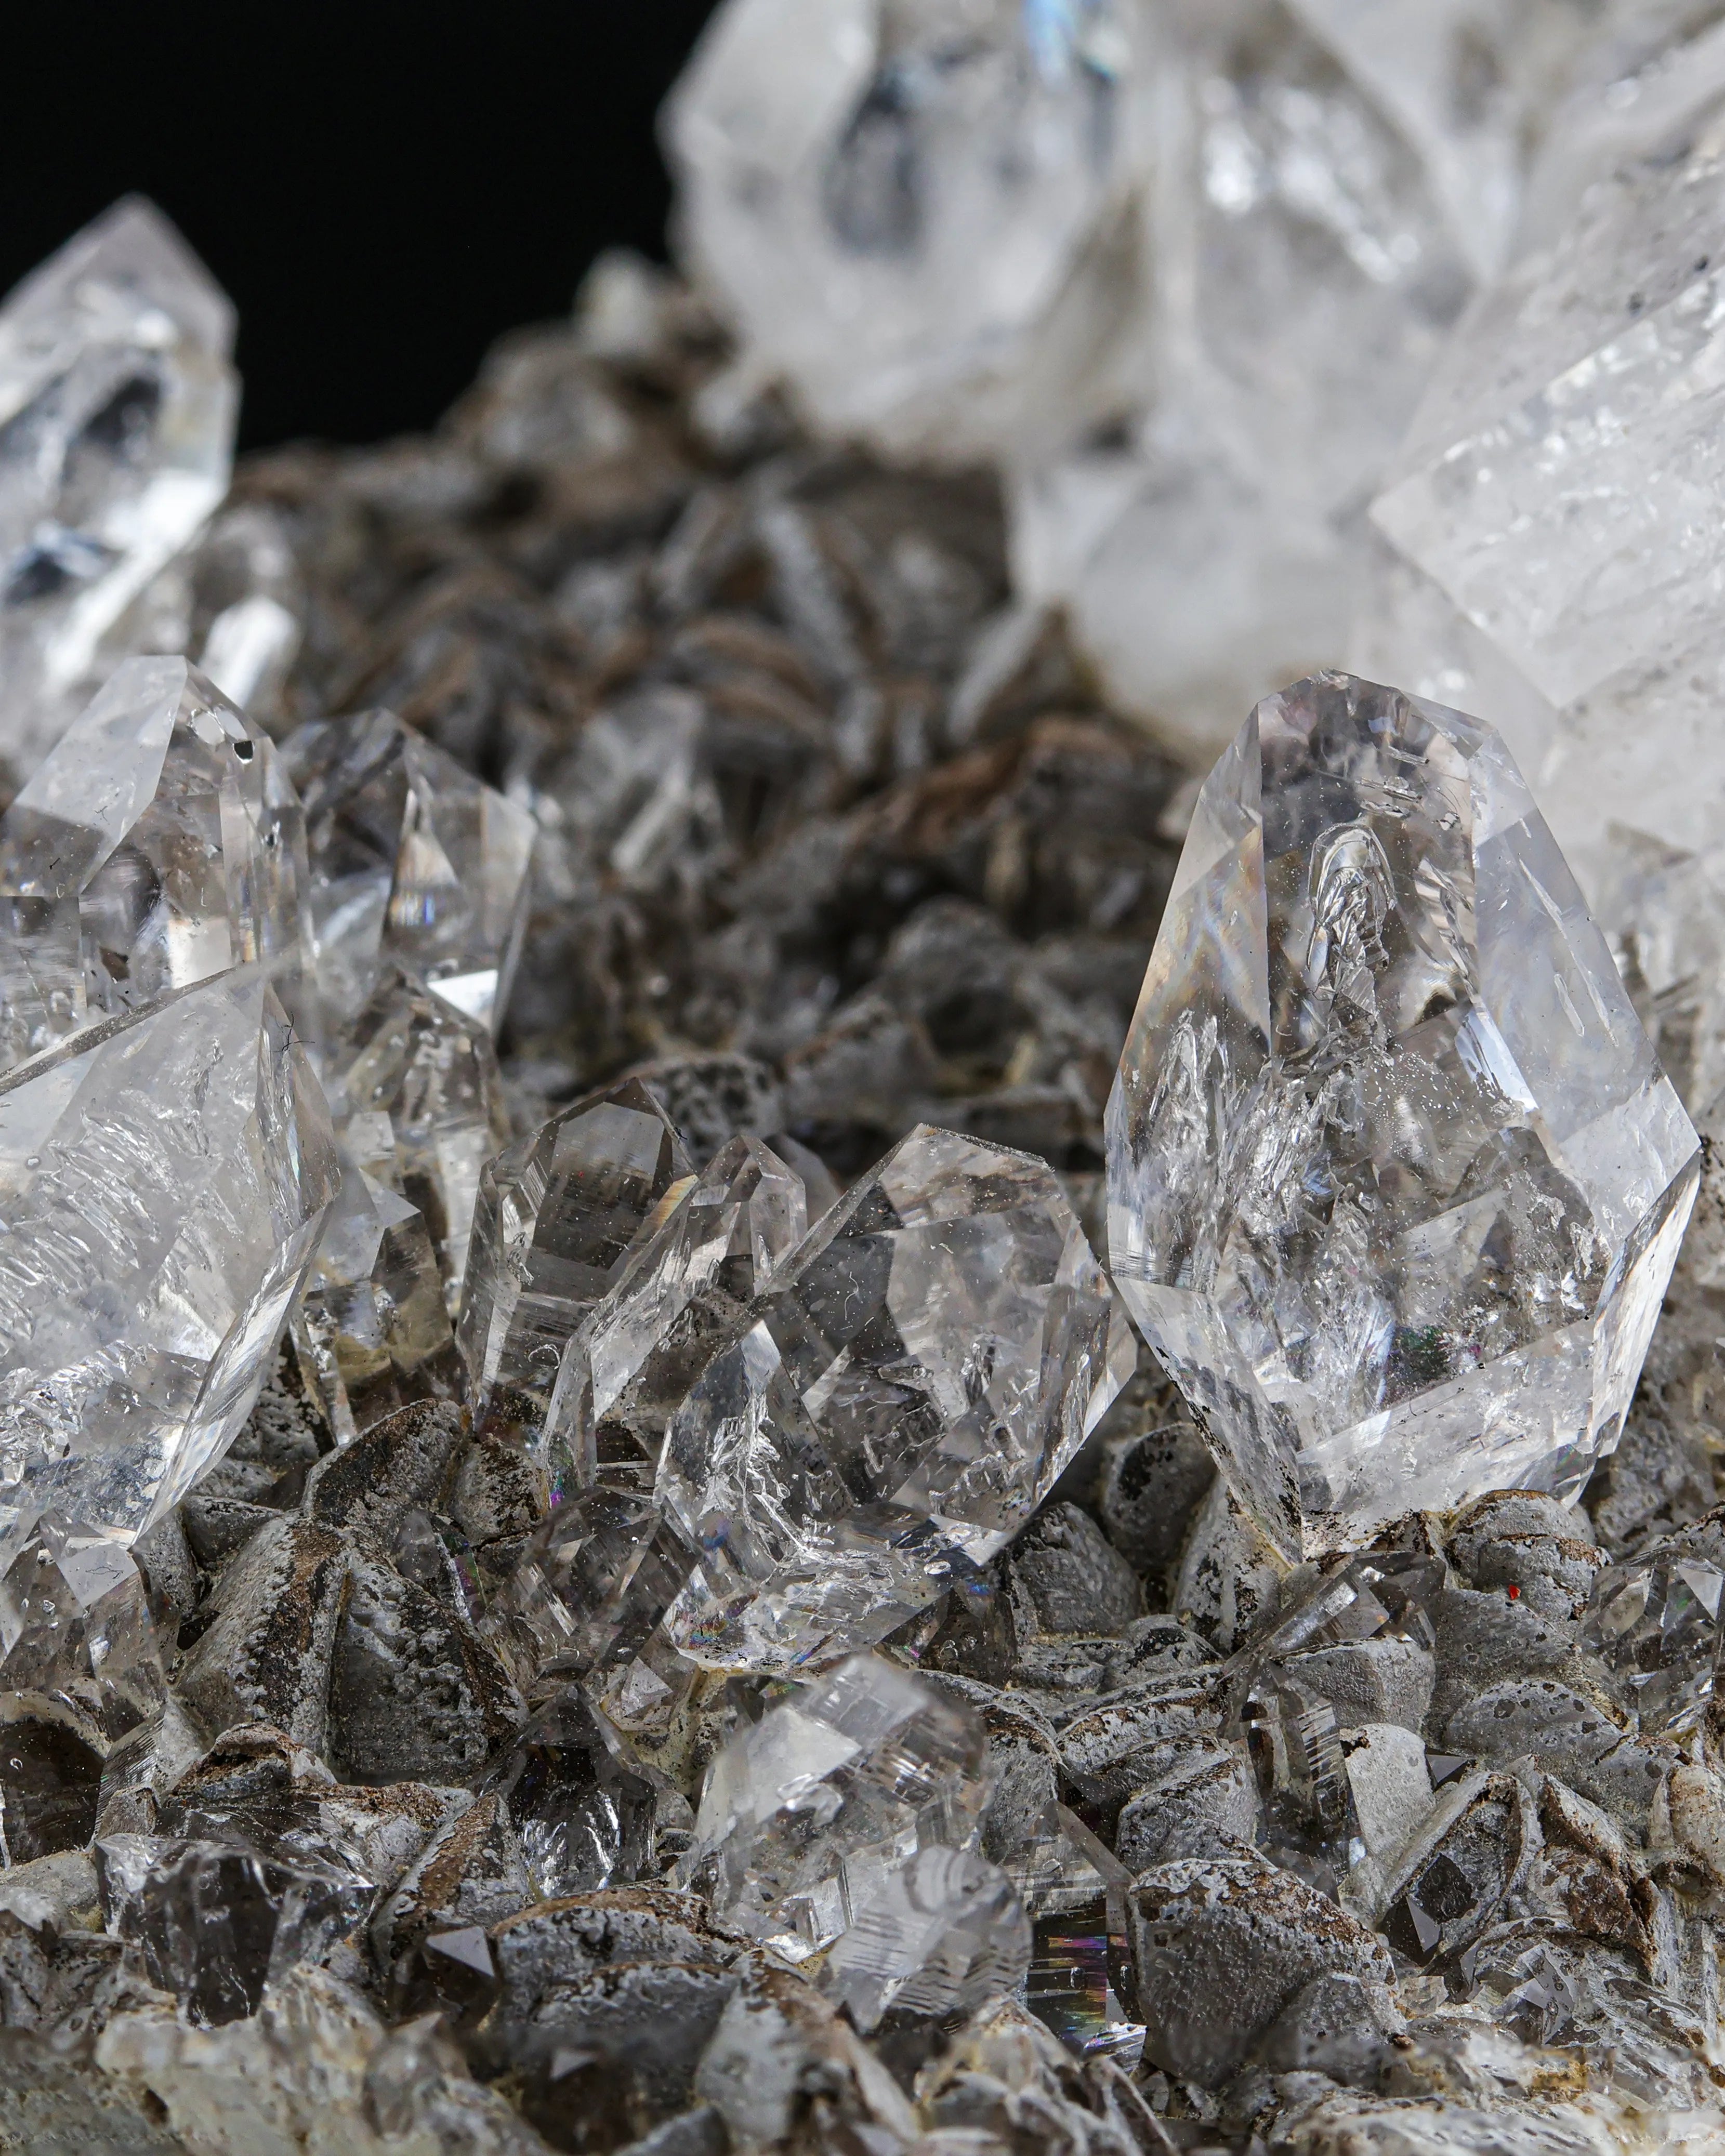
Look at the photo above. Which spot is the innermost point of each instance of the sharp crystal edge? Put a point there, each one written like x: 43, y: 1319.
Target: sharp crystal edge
x: 117, y: 403
x: 1395, y: 1183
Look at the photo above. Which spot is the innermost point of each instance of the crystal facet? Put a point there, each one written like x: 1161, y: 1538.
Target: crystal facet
x: 414, y: 860
x: 934, y: 1940
x: 811, y: 1809
x: 560, y: 1214
x: 1655, y: 1623
x: 75, y: 1621
x: 1395, y: 1183
x: 117, y: 428
x: 163, y: 1178
x: 159, y: 842
x: 914, y: 1379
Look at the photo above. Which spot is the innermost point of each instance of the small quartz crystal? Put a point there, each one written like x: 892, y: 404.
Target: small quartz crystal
x: 894, y: 1406
x: 117, y: 403
x: 74, y: 1622
x: 1655, y: 1622
x: 1395, y: 1183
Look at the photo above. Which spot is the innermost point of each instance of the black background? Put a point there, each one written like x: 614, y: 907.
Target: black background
x: 380, y: 189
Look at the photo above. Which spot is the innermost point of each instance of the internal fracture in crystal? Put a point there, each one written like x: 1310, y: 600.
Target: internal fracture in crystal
x: 1395, y: 1183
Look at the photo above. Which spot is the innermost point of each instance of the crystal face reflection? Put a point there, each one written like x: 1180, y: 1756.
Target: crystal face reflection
x: 1395, y: 1183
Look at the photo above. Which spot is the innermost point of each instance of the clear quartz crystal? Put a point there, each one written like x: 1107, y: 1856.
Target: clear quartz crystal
x: 1550, y: 530
x: 117, y: 406
x: 74, y: 1620
x: 1655, y: 1623
x: 418, y: 1098
x: 159, y: 842
x: 915, y: 1377
x: 1395, y: 1183
x: 934, y: 1940
x: 560, y: 1216
x: 164, y: 1178
x: 415, y: 861
x: 1664, y: 910
x: 919, y: 215
x: 809, y: 1811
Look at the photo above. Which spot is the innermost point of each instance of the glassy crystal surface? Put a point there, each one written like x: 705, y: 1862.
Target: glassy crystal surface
x: 1382, y: 1595
x: 414, y: 860
x: 158, y: 843
x: 582, y: 1817
x: 682, y: 1295
x: 370, y: 1326
x: 560, y: 1216
x: 164, y: 1178
x: 1664, y: 911
x: 1552, y: 552
x: 937, y: 1938
x: 1655, y: 1623
x: 74, y: 1620
x: 1395, y: 1183
x: 916, y: 1376
x: 918, y: 216
x: 416, y: 1093
x: 809, y: 1811
x: 117, y: 405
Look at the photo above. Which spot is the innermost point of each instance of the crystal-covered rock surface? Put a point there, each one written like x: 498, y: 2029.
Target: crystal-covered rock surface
x: 1550, y: 526
x: 920, y: 217
x: 158, y: 843
x: 560, y: 1214
x: 884, y: 1763
x: 415, y: 860
x: 915, y: 1376
x: 1395, y: 1183
x: 164, y: 1178
x: 117, y: 405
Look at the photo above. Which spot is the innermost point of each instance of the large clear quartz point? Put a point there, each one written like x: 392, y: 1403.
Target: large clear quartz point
x: 809, y: 1811
x: 1552, y: 528
x: 117, y: 405
x: 75, y: 1621
x: 915, y: 1376
x: 164, y: 1178
x: 561, y: 1213
x: 1395, y: 1183
x: 418, y: 1099
x: 920, y: 217
x: 414, y: 860
x: 626, y: 1369
x: 160, y: 842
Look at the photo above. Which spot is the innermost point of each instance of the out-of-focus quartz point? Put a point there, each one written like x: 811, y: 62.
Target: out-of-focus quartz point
x: 920, y: 219
x: 164, y: 1179
x: 1664, y: 911
x: 371, y: 1328
x: 886, y: 1765
x: 917, y: 1376
x: 933, y: 1940
x: 75, y: 1619
x: 117, y: 406
x: 415, y: 860
x: 422, y: 1079
x: 1552, y: 523
x: 560, y: 1216
x: 684, y: 1294
x: 596, y: 1577
x: 250, y: 647
x: 1395, y: 1183
x: 160, y: 842
x: 1655, y: 1623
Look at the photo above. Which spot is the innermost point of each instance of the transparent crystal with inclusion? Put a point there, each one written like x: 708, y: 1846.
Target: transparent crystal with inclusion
x: 117, y: 405
x: 909, y: 1387
x: 414, y: 860
x: 159, y: 842
x: 1395, y: 1183
x: 1655, y: 1623
x: 164, y: 1178
x: 75, y: 1621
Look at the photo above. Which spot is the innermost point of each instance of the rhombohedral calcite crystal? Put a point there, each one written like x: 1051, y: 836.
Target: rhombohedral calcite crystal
x: 1395, y: 1183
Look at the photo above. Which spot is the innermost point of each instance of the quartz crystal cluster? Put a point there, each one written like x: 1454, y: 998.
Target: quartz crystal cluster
x: 699, y: 1641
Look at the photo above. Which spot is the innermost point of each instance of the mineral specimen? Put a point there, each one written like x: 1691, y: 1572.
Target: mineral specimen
x: 906, y: 1391
x: 414, y: 862
x: 165, y: 1176
x: 1656, y: 1622
x: 118, y: 404
x: 74, y: 1623
x: 1395, y: 1184
x: 158, y: 843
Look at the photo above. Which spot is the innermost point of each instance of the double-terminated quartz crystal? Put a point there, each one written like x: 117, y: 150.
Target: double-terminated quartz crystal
x: 1395, y: 1183
x: 116, y: 426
